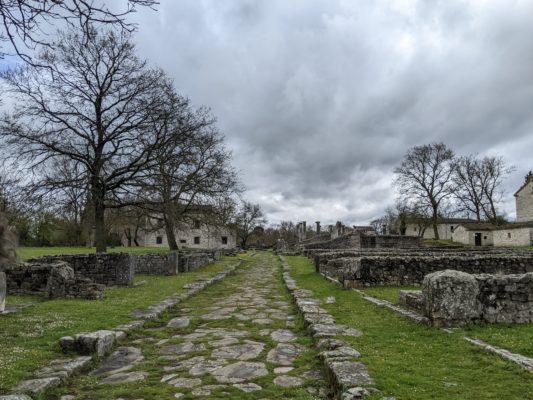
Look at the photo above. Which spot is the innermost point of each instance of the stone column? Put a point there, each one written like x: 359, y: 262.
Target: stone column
x: 317, y: 227
x: 304, y: 224
x: 3, y: 291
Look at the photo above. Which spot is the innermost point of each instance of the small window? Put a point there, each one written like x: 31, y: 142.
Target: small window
x: 415, y: 229
x: 159, y: 240
x: 509, y: 235
x: 197, y: 240
x: 224, y: 240
x: 183, y: 241
x: 196, y: 224
x: 484, y: 237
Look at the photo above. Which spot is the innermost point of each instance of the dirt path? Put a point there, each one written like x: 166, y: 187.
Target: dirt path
x: 238, y: 339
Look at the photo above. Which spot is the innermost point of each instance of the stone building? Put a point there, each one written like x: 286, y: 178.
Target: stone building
x: 474, y: 233
x: 424, y: 228
x: 196, y: 233
x: 524, y: 200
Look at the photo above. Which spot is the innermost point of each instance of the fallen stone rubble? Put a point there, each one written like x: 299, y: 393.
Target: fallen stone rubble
x: 100, y: 343
x: 349, y: 378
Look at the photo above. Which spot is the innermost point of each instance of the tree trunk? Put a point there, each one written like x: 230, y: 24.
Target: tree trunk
x: 99, y: 226
x: 171, y: 236
x: 98, y: 200
x: 435, y: 224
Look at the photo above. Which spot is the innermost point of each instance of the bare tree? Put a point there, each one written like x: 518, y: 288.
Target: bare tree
x: 249, y: 218
x: 192, y: 170
x: 24, y: 22
x: 492, y: 172
x: 477, y: 184
x: 425, y: 177
x: 95, y: 104
x: 468, y: 188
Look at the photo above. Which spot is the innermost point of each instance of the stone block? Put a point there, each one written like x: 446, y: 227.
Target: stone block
x: 450, y: 298
x: 38, y: 385
x: 99, y: 342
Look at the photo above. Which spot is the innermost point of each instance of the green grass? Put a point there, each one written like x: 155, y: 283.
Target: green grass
x: 389, y: 293
x: 29, y: 338
x: 516, y: 338
x: 26, y: 253
x: 410, y: 361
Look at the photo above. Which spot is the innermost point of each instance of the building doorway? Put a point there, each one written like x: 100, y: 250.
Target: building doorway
x: 477, y: 239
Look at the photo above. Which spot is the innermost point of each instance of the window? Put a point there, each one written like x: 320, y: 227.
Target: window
x: 197, y: 240
x: 224, y: 240
x: 451, y: 228
x: 196, y: 224
x: 183, y: 241
x: 484, y: 237
x: 415, y: 229
x: 159, y: 240
x: 509, y: 235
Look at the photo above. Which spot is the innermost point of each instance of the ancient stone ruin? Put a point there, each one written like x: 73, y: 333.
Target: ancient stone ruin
x: 453, y: 298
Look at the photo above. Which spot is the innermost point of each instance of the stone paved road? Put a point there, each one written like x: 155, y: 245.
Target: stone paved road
x: 238, y: 339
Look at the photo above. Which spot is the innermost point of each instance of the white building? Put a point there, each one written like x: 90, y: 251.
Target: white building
x: 198, y: 233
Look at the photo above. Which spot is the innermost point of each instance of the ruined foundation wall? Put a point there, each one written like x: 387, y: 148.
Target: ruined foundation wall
x: 109, y: 269
x: 453, y: 298
x: 376, y: 271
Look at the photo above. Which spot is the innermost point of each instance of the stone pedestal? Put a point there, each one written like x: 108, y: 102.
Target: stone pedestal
x: 3, y: 291
x: 450, y: 298
x: 173, y: 263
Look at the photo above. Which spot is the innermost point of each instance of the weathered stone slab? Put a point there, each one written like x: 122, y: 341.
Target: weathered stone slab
x: 186, y: 347
x: 15, y: 397
x: 123, y: 359
x: 38, y: 385
x: 240, y: 372
x: 124, y: 377
x: 63, y: 368
x: 283, y: 336
x: 286, y: 381
x: 180, y: 322
x: 246, y: 351
x: 348, y: 374
x: 283, y: 353
x: 99, y: 342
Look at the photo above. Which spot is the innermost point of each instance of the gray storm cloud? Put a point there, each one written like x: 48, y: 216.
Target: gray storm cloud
x: 319, y: 100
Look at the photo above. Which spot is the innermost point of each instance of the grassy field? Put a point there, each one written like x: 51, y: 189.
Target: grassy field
x: 29, y: 338
x: 410, y: 361
x: 26, y: 253
x: 516, y: 338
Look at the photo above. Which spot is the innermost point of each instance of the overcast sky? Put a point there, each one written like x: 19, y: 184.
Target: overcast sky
x: 320, y: 99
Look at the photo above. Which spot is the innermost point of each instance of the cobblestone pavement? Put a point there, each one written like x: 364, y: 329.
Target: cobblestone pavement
x: 238, y: 339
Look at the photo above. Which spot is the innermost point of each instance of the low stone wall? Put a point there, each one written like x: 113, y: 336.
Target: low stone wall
x: 455, y: 298
x: 52, y: 281
x: 410, y: 270
x: 157, y: 263
x: 109, y: 269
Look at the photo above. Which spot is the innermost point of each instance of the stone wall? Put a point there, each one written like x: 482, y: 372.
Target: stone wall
x: 50, y: 280
x: 109, y: 269
x: 157, y: 263
x: 410, y: 270
x: 454, y: 298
